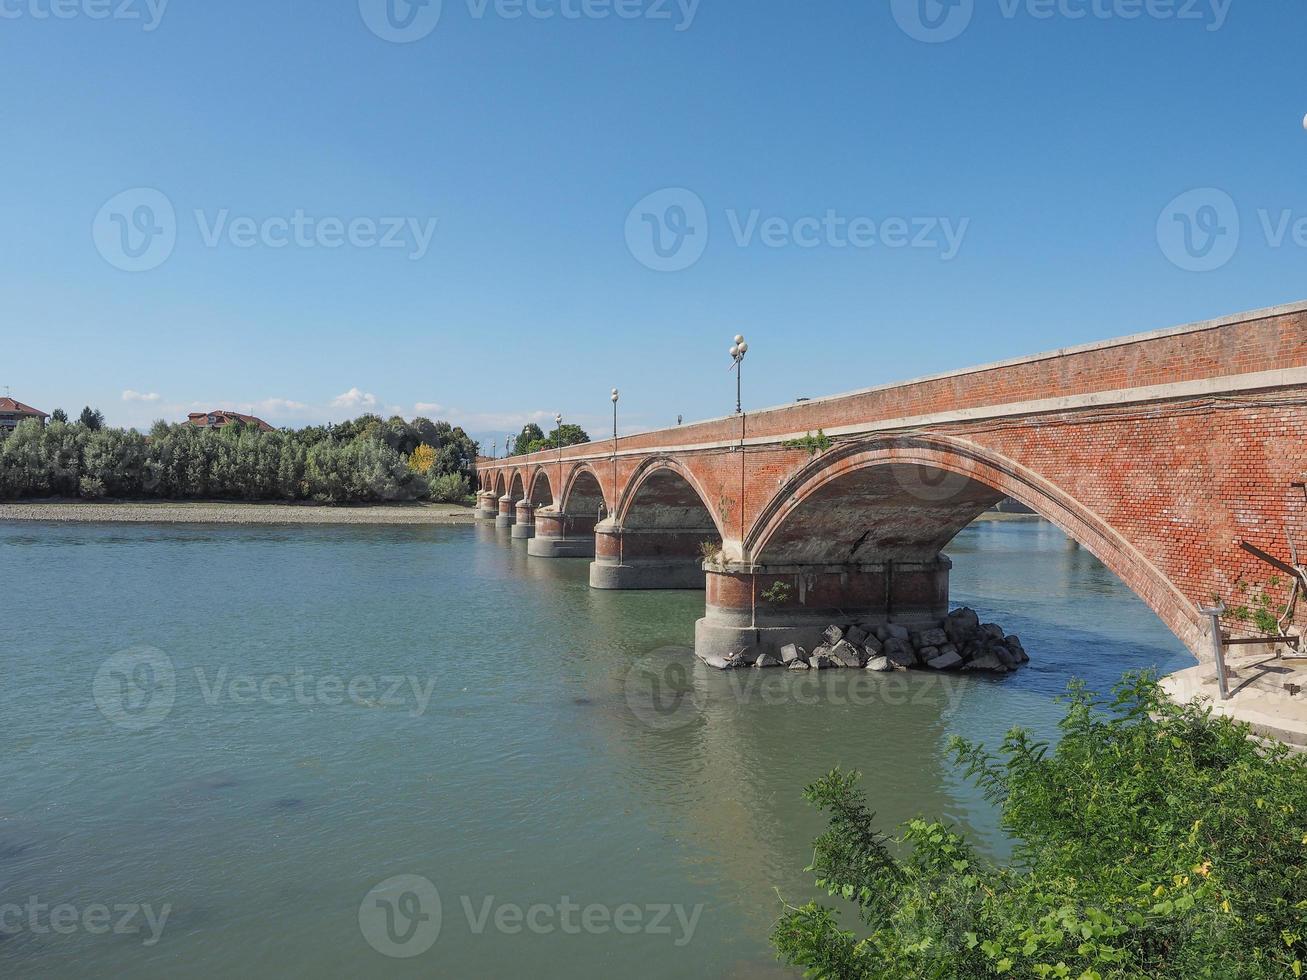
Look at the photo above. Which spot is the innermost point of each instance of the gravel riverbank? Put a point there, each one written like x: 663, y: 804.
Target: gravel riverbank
x: 234, y: 513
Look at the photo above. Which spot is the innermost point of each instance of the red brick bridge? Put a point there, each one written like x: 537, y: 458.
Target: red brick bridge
x: 1159, y: 453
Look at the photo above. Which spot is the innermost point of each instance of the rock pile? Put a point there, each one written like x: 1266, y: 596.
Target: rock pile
x: 963, y: 642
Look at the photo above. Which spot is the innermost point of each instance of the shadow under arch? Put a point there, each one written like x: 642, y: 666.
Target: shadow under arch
x: 500, y: 487
x: 656, y: 538
x: 541, y: 492
x: 516, y: 491
x: 583, y: 493
x: 908, y: 496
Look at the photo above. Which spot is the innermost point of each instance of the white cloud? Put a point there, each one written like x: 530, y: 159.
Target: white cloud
x: 428, y: 408
x: 139, y: 396
x: 274, y: 406
x: 355, y: 398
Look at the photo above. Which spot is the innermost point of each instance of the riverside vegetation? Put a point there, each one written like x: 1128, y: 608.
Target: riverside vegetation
x: 1155, y: 840
x: 367, y: 460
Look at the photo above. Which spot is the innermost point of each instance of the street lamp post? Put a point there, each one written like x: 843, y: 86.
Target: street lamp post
x: 738, y: 351
x: 558, y: 423
x: 616, y: 395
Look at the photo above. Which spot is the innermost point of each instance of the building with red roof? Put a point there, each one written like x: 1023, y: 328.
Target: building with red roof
x: 219, y: 418
x: 13, y: 411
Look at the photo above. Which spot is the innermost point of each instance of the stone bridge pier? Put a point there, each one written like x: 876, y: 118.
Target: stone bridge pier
x: 761, y: 608
x: 487, y: 505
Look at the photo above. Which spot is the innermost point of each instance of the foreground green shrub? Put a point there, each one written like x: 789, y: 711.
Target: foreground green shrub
x: 1154, y: 841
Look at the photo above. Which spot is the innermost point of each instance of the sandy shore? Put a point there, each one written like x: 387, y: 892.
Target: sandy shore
x: 235, y: 513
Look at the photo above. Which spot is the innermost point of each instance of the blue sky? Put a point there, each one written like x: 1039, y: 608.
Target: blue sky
x: 863, y: 204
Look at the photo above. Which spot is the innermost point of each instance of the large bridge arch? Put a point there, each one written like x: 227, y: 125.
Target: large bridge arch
x: 907, y: 497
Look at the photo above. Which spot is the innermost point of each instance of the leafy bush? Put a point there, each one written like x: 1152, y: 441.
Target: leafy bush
x: 91, y: 488
x: 1155, y: 840
x: 452, y: 488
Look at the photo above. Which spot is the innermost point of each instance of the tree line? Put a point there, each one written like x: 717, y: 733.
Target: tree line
x: 367, y: 460
x: 532, y: 438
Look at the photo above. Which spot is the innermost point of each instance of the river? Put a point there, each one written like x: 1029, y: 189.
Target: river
x: 217, y: 742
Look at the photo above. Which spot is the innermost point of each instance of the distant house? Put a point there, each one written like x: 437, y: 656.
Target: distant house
x: 217, y: 419
x: 12, y: 412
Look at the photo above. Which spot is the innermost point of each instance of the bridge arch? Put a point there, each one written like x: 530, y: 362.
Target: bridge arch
x: 583, y: 492
x: 501, y: 487
x: 541, y: 488
x: 919, y: 492
x: 516, y: 490
x: 664, y: 492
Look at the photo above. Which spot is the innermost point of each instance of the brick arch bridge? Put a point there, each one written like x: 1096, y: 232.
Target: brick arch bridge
x: 1159, y: 453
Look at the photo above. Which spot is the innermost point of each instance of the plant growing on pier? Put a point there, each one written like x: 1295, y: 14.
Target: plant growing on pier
x: 711, y: 551
x: 810, y: 443
x: 778, y: 594
x: 1155, y: 840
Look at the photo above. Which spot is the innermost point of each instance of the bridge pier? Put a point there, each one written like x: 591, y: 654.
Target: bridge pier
x: 562, y: 535
x: 758, y: 609
x: 487, y: 508
x: 505, y: 517
x: 524, y: 521
x: 647, y: 557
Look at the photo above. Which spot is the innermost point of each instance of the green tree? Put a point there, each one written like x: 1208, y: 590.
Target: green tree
x: 59, y: 415
x: 91, y: 418
x: 1155, y: 840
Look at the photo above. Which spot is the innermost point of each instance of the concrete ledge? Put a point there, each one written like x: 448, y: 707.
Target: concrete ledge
x: 539, y: 547
x: 524, y: 532
x: 503, y: 520
x: 647, y: 575
x: 1257, y: 697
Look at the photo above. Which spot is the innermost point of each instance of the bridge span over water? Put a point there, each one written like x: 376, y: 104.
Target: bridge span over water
x: 1158, y: 452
